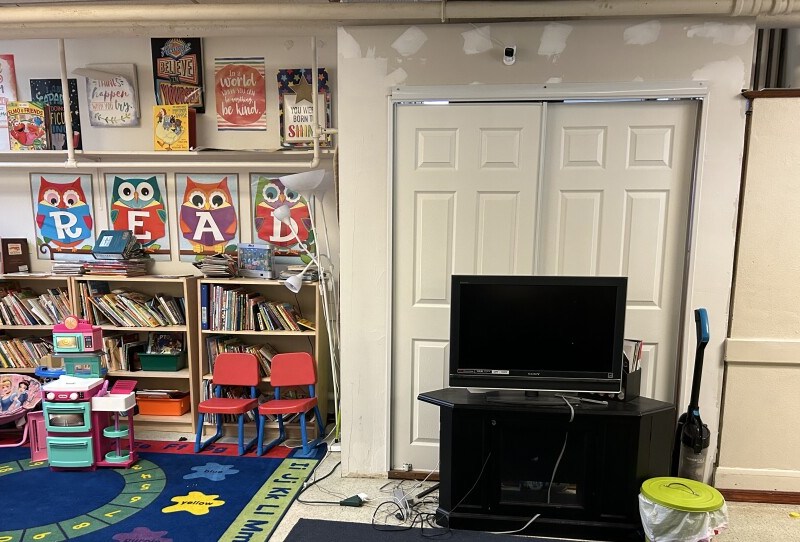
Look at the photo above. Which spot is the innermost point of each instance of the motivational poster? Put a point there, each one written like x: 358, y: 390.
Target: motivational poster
x: 295, y: 98
x: 8, y: 93
x: 113, y: 99
x: 240, y: 93
x: 178, y: 71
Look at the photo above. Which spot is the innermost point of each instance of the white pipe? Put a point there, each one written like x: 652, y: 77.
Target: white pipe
x: 376, y: 13
x: 67, y: 104
x: 314, y: 92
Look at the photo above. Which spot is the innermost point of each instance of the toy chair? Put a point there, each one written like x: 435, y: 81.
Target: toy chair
x: 231, y: 369
x: 291, y: 369
x: 19, y: 395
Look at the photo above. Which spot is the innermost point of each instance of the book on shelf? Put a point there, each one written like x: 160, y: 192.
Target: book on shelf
x: 14, y: 255
x: 24, y: 352
x: 217, y: 344
x: 49, y: 92
x: 27, y: 126
x: 121, y: 307
x: 632, y: 354
x: 117, y: 245
x: 173, y: 127
x: 164, y: 342
x: 232, y: 308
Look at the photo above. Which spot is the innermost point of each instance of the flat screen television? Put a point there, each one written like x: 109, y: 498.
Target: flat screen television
x: 537, y: 333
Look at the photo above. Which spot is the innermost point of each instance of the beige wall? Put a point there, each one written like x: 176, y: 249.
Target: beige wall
x: 759, y: 450
x: 374, y: 59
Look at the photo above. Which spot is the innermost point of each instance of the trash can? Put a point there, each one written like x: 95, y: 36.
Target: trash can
x: 681, y: 510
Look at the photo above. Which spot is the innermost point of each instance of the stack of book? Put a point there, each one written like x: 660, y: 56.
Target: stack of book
x: 218, y: 265
x: 310, y: 275
x: 129, y: 309
x: 68, y: 268
x: 117, y: 245
x: 226, y: 308
x: 122, y: 268
x: 23, y: 352
x: 216, y: 344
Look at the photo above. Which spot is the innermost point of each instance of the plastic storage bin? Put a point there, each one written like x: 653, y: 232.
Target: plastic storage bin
x: 163, y: 362
x: 155, y: 406
x: 681, y: 510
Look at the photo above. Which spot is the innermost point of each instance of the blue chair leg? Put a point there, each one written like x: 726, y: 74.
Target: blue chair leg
x: 264, y: 448
x: 242, y: 447
x: 309, y: 448
x: 198, y: 443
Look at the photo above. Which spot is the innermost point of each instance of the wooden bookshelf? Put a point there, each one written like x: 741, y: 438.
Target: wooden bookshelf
x: 39, y: 284
x: 308, y: 304
x: 185, y: 379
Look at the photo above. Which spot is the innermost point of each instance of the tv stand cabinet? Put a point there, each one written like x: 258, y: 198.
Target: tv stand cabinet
x: 508, y: 452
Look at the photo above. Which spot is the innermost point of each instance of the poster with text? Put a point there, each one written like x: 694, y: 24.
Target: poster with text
x: 267, y: 193
x: 240, y: 93
x: 48, y: 92
x: 178, y: 72
x: 207, y: 212
x: 138, y: 202
x: 8, y: 93
x: 63, y: 215
x: 113, y: 99
x: 295, y: 95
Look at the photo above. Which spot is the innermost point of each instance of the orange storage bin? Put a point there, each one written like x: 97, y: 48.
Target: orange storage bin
x: 153, y: 406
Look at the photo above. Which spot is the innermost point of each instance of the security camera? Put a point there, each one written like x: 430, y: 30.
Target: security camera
x: 509, y: 55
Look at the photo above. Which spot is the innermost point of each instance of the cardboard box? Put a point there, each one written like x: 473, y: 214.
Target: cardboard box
x: 153, y: 406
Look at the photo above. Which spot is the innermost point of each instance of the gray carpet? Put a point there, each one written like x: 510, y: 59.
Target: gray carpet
x: 315, y: 529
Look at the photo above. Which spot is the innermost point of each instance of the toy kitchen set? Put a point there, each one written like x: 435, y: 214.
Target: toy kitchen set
x: 81, y: 416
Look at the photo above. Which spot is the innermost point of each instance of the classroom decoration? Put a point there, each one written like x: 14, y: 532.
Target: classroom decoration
x: 48, y: 92
x: 207, y: 214
x: 138, y: 202
x: 63, y: 215
x: 267, y: 194
x: 173, y: 127
x: 8, y: 93
x: 178, y: 71
x: 295, y: 88
x: 240, y: 93
x: 112, y: 94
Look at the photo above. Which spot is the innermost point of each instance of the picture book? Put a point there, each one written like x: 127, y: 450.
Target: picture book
x: 173, y: 127
x: 114, y: 244
x: 295, y: 95
x: 178, y: 71
x: 56, y: 127
x: 27, y: 126
x: 49, y: 92
x: 14, y: 255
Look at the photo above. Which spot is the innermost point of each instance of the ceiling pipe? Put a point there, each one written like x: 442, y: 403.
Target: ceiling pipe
x: 141, y: 15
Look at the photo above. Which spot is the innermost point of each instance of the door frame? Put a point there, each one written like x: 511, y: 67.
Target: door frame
x: 605, y: 92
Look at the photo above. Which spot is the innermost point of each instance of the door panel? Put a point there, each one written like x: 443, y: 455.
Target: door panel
x: 464, y: 202
x: 615, y: 201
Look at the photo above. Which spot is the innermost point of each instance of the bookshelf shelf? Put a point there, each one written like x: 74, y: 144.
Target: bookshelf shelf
x: 150, y: 288
x: 306, y: 303
x: 21, y: 347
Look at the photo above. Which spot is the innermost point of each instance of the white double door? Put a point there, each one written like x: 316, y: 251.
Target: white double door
x: 479, y: 190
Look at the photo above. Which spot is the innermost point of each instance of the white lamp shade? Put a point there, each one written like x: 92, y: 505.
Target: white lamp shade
x: 306, y: 181
x: 282, y: 213
x: 294, y: 283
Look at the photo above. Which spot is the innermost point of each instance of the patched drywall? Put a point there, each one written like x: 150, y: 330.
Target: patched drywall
x: 547, y: 52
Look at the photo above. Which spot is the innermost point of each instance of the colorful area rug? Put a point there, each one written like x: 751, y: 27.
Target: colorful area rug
x: 170, y: 495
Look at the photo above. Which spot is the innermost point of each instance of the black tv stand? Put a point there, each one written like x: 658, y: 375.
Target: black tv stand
x: 524, y: 397
x: 497, y: 461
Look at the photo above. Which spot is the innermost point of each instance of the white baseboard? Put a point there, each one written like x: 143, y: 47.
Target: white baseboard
x: 757, y: 479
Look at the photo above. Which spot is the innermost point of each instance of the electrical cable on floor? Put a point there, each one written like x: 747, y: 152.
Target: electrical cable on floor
x: 308, y: 485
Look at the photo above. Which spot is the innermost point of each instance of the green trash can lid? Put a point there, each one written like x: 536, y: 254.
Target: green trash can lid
x: 682, y: 494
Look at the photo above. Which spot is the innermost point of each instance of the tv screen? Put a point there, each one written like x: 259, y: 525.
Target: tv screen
x: 554, y: 333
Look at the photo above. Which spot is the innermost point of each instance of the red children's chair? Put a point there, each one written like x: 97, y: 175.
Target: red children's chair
x: 291, y: 369
x: 231, y: 369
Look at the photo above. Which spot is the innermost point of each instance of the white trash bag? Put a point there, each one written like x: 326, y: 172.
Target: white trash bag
x: 663, y: 524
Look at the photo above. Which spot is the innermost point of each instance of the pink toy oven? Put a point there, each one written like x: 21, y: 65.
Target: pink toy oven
x: 76, y: 335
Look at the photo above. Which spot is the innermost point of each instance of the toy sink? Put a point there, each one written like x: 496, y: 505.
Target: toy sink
x: 115, y: 402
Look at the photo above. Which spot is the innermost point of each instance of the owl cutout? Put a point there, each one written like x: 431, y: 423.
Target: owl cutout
x: 270, y: 194
x: 63, y: 215
x: 208, y: 216
x: 138, y: 205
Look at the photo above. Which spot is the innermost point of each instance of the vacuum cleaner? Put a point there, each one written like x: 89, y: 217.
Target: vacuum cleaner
x: 692, y: 436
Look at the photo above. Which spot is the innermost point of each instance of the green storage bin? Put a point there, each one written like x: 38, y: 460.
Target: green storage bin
x: 163, y: 362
